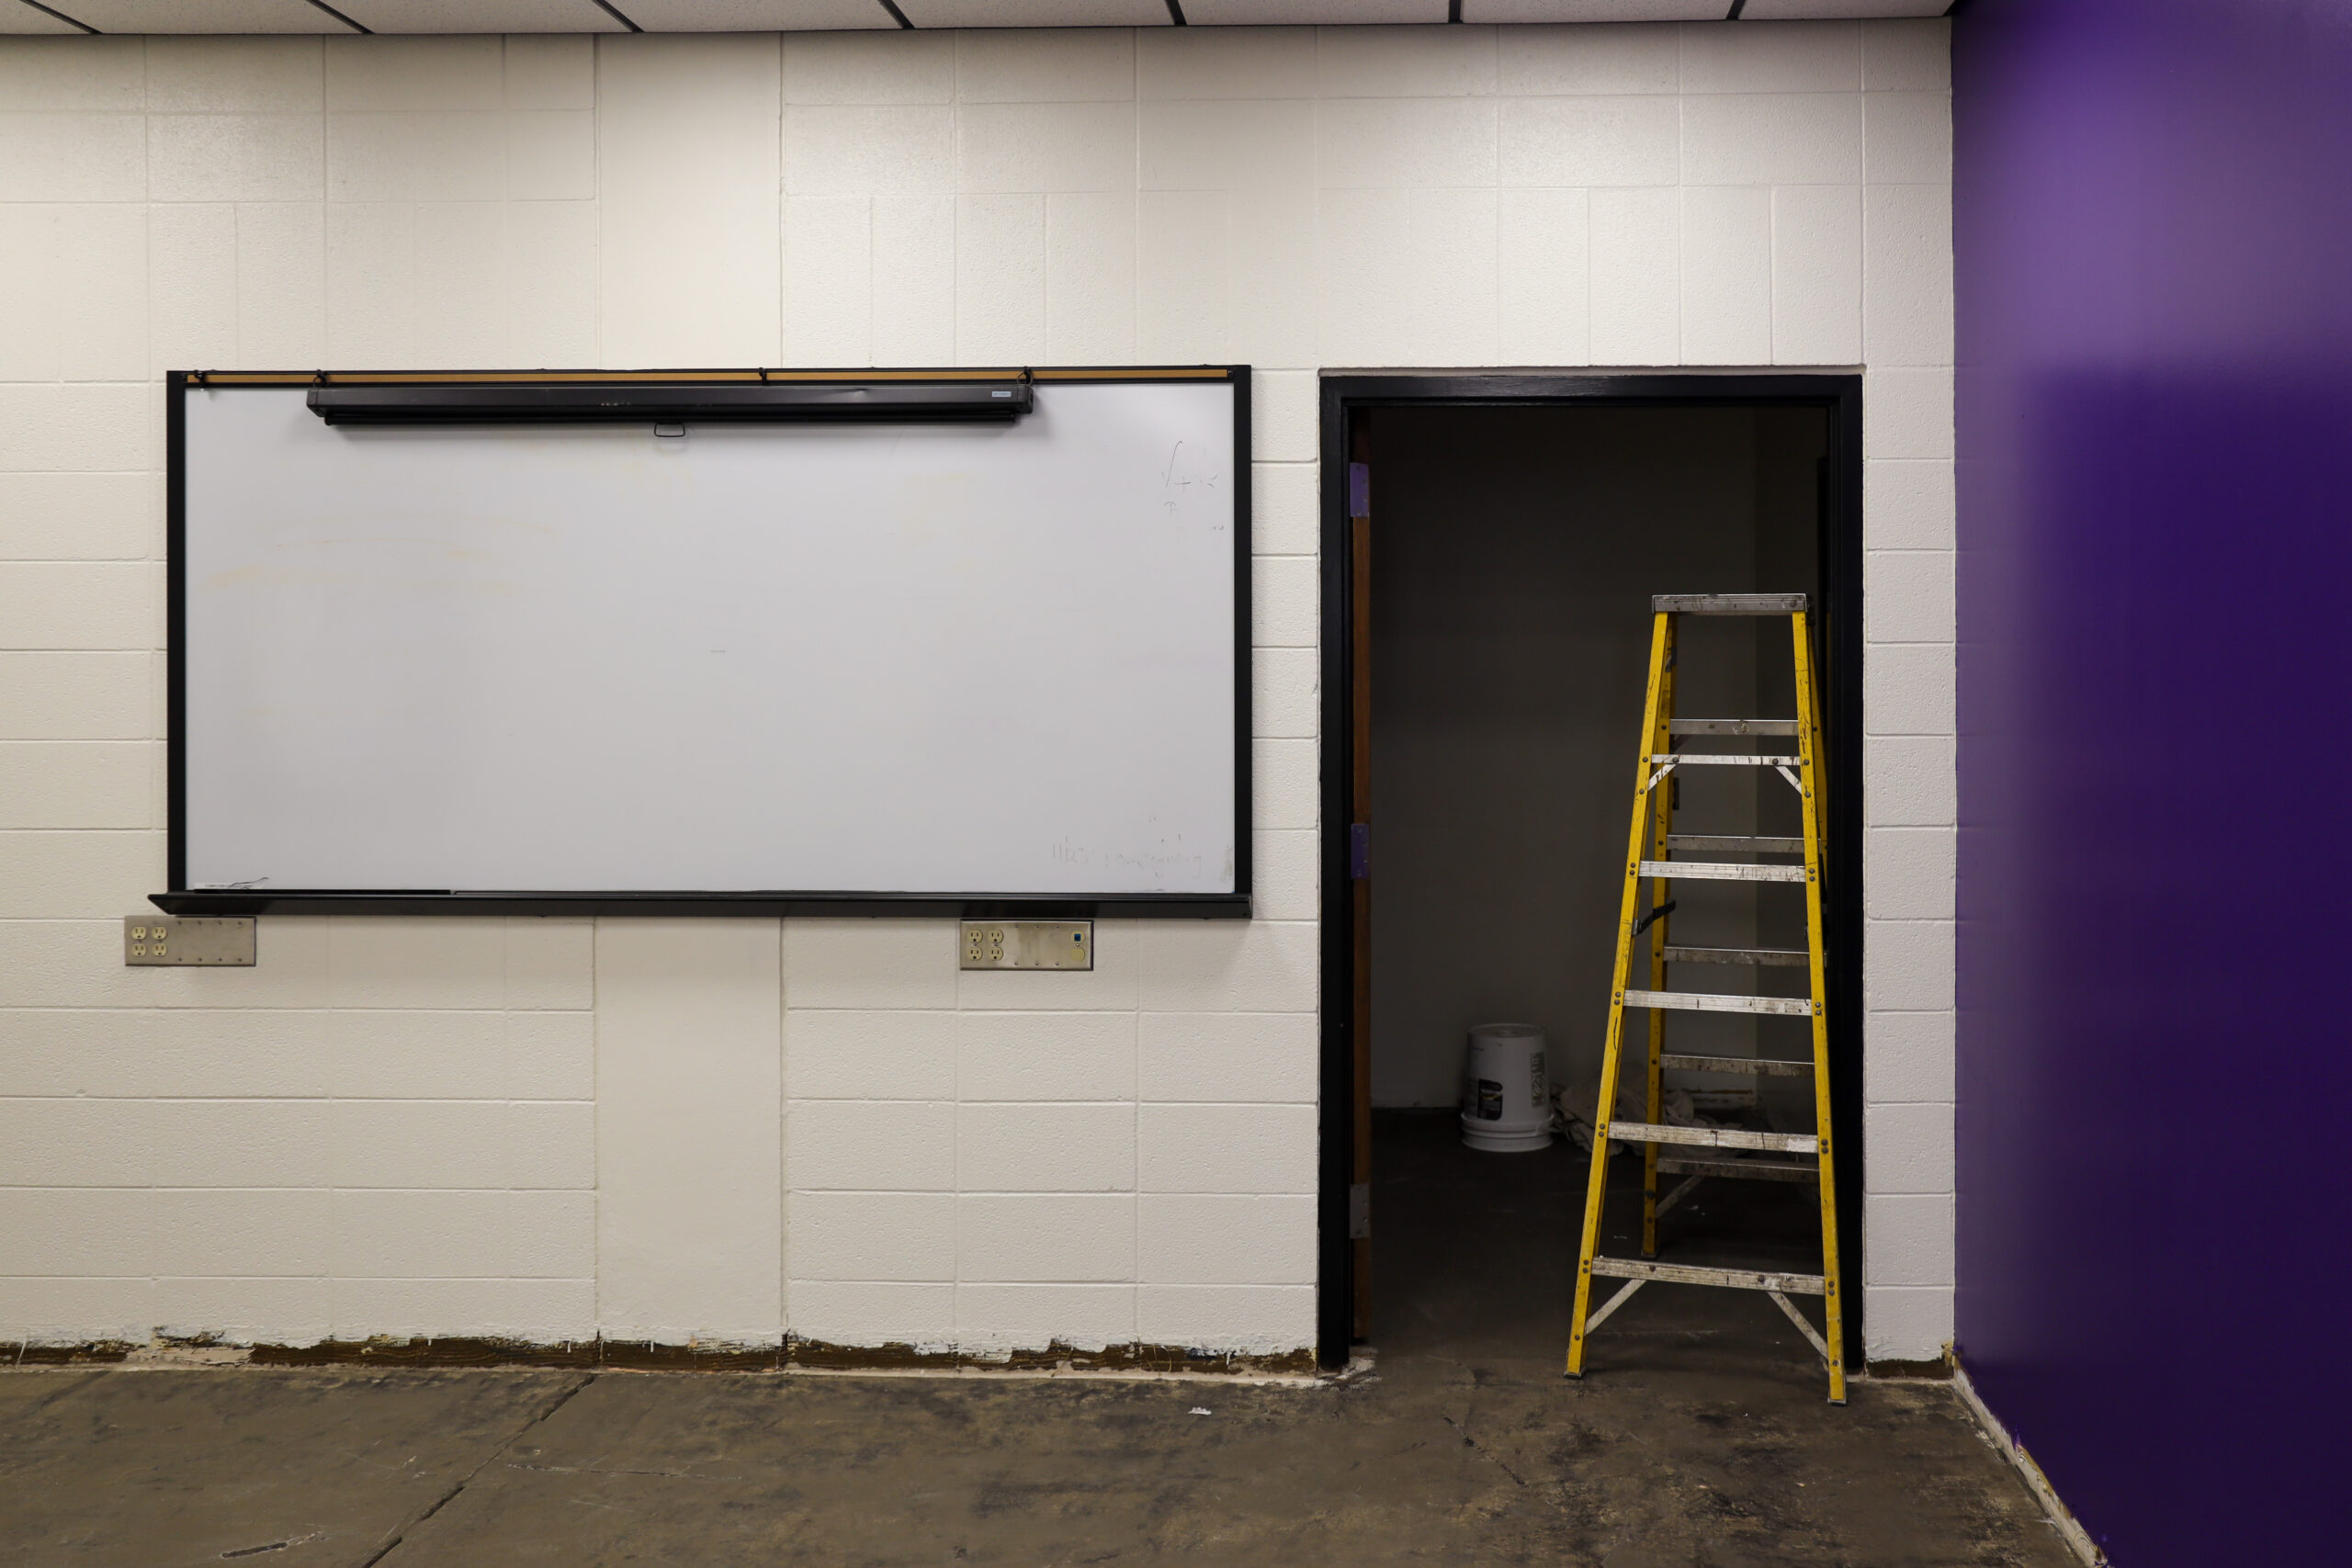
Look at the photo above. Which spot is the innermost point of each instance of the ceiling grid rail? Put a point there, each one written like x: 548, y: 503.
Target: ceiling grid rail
x: 132, y: 16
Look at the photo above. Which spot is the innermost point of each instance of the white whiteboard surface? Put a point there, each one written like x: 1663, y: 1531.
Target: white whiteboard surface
x: 903, y: 659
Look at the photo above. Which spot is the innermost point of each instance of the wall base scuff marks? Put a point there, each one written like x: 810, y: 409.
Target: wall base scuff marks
x: 625, y: 1354
x: 96, y: 1352
x: 1913, y: 1372
x: 1155, y: 1360
x: 2062, y: 1518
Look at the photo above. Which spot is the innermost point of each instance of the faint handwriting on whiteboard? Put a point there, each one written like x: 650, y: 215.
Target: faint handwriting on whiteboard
x: 1189, y: 473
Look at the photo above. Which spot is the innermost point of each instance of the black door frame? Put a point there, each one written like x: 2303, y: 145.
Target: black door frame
x: 1841, y: 592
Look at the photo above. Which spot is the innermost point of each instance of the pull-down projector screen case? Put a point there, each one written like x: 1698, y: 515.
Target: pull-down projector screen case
x: 661, y: 401
x: 880, y: 666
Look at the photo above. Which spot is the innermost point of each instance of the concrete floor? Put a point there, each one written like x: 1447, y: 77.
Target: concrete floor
x: 1700, y: 1441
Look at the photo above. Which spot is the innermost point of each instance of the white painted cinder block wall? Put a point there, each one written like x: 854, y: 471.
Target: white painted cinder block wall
x: 725, y: 1130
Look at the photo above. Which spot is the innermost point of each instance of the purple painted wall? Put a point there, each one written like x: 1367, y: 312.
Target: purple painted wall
x: 2154, y: 211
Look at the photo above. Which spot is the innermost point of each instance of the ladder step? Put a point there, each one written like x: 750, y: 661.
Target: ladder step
x: 1737, y: 843
x: 1731, y: 726
x: 1722, y: 871
x: 1726, y: 604
x: 1768, y: 1066
x: 1685, y: 1274
x: 1702, y: 1001
x: 1739, y: 1169
x: 1779, y: 957
x: 1724, y: 759
x: 1715, y: 1137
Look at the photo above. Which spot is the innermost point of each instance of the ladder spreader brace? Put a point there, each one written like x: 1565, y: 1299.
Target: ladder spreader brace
x: 1648, y: 856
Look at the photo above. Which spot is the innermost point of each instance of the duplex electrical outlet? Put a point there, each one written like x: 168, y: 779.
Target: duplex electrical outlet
x: 1028, y: 944
x: 152, y: 939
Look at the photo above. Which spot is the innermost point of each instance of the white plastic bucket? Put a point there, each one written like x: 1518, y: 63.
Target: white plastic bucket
x: 1506, y: 1093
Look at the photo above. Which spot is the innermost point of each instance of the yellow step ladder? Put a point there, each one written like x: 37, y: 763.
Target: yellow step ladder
x: 1649, y: 852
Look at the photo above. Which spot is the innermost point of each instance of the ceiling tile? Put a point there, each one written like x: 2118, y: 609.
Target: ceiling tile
x: 1292, y: 13
x: 1036, y: 13
x: 756, y: 15
x: 1812, y: 11
x: 18, y: 17
x: 481, y: 15
x: 202, y: 17
x: 1594, y: 10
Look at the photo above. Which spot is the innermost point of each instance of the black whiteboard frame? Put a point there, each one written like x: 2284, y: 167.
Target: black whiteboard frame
x: 180, y: 899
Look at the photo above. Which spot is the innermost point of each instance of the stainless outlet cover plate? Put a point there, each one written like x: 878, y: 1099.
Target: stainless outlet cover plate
x: 1027, y: 944
x: 167, y: 940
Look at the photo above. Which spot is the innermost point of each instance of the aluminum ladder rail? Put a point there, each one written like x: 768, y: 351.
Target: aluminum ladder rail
x: 1648, y: 857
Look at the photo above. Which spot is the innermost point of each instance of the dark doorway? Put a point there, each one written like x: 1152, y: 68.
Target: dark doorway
x: 1489, y: 547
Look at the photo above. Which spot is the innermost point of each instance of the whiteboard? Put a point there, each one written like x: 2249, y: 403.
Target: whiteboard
x: 907, y: 658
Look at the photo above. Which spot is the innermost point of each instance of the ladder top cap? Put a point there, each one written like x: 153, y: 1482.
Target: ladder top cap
x: 1727, y: 603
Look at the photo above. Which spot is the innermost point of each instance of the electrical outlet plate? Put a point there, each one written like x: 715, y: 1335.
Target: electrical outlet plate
x: 1028, y: 944
x: 149, y: 940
